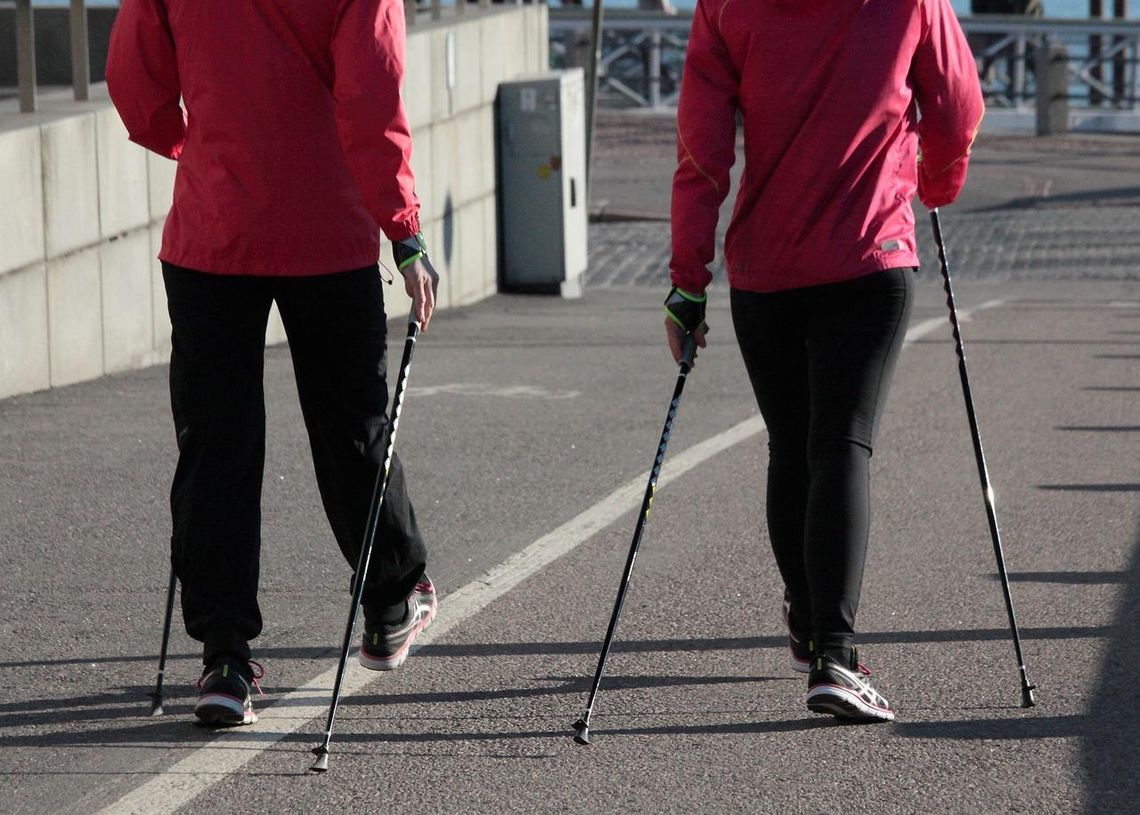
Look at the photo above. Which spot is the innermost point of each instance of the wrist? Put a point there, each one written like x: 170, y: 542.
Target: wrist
x: 408, y: 250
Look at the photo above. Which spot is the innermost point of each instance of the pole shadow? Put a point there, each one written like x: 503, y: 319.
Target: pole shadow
x: 1089, y: 487
x: 1110, y: 749
x: 1067, y: 578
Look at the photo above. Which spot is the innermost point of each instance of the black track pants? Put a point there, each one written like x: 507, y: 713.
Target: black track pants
x: 820, y: 360
x: 337, y: 332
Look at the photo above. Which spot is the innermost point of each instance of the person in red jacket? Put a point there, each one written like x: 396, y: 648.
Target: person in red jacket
x: 848, y: 109
x: 293, y: 153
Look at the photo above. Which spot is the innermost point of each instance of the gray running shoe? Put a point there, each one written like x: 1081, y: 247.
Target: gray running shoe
x: 385, y: 647
x: 224, y: 698
x: 845, y: 691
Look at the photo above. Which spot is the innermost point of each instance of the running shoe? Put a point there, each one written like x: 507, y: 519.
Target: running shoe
x: 845, y: 691
x: 386, y: 646
x: 224, y: 698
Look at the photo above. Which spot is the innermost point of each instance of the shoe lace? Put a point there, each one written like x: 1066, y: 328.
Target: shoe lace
x: 258, y: 671
x: 856, y: 664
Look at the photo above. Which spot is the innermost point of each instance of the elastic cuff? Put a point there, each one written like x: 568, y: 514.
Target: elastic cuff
x: 692, y: 298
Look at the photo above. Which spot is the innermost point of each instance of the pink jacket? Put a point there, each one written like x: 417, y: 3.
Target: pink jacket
x: 291, y: 139
x: 831, y: 96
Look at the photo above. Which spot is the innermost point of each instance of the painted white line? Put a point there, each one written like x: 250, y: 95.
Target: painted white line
x: 483, y: 389
x: 222, y: 757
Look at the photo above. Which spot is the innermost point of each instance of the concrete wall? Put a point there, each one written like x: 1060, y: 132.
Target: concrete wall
x: 81, y: 293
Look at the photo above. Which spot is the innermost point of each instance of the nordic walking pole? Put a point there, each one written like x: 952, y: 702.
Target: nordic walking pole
x: 1027, y: 689
x: 156, y: 694
x: 381, y: 487
x: 582, y: 726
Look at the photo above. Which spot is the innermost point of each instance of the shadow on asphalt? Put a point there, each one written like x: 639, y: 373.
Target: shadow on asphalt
x: 479, y: 649
x: 1110, y: 746
x: 1115, y: 196
x: 1068, y: 578
x: 1090, y: 487
x: 1111, y: 753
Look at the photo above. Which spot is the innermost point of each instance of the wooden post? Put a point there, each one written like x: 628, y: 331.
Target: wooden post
x: 26, y: 55
x: 80, y: 58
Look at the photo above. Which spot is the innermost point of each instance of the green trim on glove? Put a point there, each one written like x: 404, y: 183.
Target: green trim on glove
x: 686, y: 309
x: 407, y: 251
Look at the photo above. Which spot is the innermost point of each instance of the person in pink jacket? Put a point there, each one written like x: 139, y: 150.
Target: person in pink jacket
x: 848, y: 110
x: 293, y: 151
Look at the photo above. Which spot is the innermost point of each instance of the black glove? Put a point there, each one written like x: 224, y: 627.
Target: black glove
x: 409, y: 250
x: 686, y: 309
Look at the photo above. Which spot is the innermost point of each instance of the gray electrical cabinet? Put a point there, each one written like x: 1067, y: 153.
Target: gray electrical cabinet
x: 542, y: 182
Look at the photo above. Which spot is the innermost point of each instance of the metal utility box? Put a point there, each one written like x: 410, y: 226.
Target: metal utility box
x: 541, y: 145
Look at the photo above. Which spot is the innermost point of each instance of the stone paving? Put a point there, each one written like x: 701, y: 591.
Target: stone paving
x: 1062, y: 208
x: 1093, y: 242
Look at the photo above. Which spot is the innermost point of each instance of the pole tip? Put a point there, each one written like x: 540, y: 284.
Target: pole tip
x: 156, y: 703
x: 321, y: 765
x: 1027, y: 697
x: 581, y: 732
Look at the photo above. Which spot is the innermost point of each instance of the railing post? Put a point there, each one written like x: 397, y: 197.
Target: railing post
x: 1135, y: 81
x: 409, y: 13
x: 1096, y: 45
x: 80, y: 59
x: 26, y: 55
x: 436, y: 9
x: 1019, y: 95
x: 655, y: 69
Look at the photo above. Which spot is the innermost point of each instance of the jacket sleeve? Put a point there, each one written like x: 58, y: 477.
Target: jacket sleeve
x: 142, y: 77
x: 706, y: 149
x: 368, y: 61
x: 950, y: 103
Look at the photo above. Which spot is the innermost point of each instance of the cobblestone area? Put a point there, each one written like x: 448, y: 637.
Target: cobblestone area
x: 1056, y: 208
x: 1055, y: 243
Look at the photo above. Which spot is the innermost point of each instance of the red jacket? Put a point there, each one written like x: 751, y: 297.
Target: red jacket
x: 830, y: 94
x: 293, y: 145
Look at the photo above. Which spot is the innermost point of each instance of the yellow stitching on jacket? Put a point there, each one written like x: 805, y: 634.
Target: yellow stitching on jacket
x: 700, y: 169
x: 720, y: 15
x: 973, y: 138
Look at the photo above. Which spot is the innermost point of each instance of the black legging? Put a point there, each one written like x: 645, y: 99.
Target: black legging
x: 820, y: 360
x: 337, y: 338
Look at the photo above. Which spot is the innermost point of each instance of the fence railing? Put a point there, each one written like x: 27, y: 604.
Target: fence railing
x: 643, y: 55
x: 417, y: 12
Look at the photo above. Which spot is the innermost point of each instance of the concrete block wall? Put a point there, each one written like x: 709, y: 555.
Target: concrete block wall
x: 81, y: 291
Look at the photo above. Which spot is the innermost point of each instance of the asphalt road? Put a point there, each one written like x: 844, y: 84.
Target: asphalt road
x: 526, y: 416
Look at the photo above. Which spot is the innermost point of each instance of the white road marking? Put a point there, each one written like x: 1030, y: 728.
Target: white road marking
x: 483, y: 389
x: 207, y: 765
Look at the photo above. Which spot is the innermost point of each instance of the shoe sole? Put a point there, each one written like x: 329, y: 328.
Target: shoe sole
x: 222, y: 710
x: 845, y: 704
x: 397, y: 659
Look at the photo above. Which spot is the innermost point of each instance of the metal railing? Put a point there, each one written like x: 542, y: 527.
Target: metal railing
x: 417, y: 12
x: 643, y: 55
